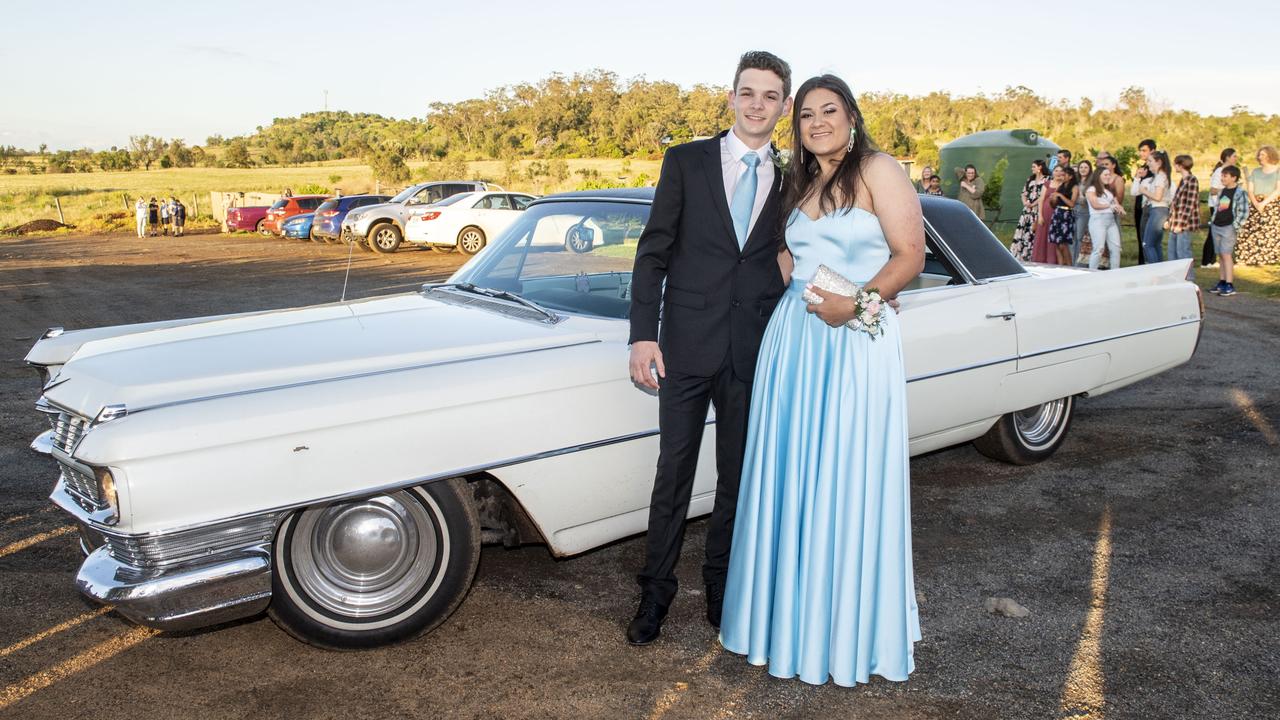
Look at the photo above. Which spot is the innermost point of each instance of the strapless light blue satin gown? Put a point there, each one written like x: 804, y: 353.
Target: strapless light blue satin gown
x: 820, y: 578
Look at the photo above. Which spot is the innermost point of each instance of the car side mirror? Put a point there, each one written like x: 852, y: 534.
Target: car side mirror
x: 586, y: 234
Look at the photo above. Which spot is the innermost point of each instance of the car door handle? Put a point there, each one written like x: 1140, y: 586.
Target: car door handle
x: 1006, y: 314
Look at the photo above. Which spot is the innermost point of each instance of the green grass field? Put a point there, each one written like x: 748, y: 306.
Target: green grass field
x: 84, y: 195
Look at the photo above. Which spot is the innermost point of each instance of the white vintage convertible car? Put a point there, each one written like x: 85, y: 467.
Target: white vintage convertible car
x: 340, y: 465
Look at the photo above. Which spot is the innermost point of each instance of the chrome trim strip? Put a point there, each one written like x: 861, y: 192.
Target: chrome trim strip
x: 1060, y: 348
x: 1038, y: 353
x: 356, y: 376
x: 962, y: 368
x: 69, y: 505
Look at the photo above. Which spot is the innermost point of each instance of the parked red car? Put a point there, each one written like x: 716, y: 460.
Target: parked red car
x: 286, y: 208
x: 248, y: 219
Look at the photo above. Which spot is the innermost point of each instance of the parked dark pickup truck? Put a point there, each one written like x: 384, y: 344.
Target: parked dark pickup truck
x: 249, y: 219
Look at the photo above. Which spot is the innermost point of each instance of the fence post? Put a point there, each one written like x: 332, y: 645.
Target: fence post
x: 125, y: 197
x: 195, y: 205
x: 58, y: 203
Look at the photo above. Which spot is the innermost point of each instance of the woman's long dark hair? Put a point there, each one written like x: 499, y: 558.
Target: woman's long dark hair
x: 802, y: 181
x: 1222, y: 158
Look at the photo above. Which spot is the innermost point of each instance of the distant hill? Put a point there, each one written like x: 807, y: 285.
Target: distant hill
x: 596, y: 114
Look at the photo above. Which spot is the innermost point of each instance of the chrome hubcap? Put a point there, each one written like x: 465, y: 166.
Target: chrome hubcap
x: 471, y: 241
x: 1039, y: 426
x: 367, y: 557
x: 384, y: 238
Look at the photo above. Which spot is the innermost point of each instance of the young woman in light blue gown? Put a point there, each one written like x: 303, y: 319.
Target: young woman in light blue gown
x: 820, y: 581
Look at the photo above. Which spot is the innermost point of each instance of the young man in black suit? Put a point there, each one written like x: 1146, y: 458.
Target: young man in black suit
x: 708, y: 258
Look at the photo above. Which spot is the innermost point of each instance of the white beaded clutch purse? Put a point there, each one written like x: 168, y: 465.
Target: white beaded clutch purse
x: 870, y: 307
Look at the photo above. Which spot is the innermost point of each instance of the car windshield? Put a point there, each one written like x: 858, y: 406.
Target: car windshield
x: 279, y: 204
x: 327, y: 205
x: 405, y: 194
x: 571, y: 256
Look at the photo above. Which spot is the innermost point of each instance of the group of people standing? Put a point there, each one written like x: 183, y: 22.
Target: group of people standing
x: 1065, y: 205
x: 160, y: 217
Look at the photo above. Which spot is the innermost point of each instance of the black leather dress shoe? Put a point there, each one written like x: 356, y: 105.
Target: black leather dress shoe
x: 715, y: 604
x: 646, y: 626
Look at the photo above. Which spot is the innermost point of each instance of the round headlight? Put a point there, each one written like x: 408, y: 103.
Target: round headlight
x: 107, y: 490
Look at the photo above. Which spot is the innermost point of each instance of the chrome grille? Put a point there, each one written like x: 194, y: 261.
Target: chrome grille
x: 185, y: 546
x: 82, y: 486
x: 67, y: 428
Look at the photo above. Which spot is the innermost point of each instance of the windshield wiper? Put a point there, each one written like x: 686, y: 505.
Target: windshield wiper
x: 552, y: 318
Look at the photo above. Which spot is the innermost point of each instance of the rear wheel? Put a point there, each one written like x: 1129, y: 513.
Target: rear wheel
x: 577, y: 240
x: 385, y: 238
x: 471, y: 240
x: 261, y: 228
x: 375, y: 571
x: 1028, y: 436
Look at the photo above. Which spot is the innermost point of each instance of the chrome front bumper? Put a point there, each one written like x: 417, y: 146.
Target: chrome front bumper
x: 215, y: 581
x: 182, y: 598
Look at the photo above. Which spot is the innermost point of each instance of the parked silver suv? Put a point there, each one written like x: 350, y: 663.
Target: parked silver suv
x: 381, y: 227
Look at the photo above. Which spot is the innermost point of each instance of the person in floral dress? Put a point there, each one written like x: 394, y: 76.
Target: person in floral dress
x: 1024, y: 235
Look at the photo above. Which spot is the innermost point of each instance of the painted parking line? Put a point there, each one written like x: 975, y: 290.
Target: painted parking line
x: 26, y: 516
x: 29, y: 641
x: 1245, y: 404
x: 65, y: 669
x: 1083, y: 693
x: 25, y: 543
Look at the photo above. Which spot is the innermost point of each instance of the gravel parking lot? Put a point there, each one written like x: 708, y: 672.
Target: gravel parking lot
x: 1144, y: 550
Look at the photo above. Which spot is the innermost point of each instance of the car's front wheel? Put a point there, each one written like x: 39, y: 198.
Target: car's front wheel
x: 1028, y: 436
x: 375, y: 571
x: 385, y: 238
x: 471, y: 240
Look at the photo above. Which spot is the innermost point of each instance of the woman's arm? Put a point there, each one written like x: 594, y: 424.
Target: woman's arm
x: 786, y: 265
x: 1156, y: 191
x: 1091, y: 195
x: 898, y: 208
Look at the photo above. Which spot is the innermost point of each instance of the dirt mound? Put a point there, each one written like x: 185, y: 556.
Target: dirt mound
x: 34, y: 226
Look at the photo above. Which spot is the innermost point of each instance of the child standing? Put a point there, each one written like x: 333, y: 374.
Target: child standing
x: 1184, y: 213
x: 1228, y: 216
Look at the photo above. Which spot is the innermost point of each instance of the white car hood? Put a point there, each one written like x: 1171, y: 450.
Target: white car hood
x: 287, y: 347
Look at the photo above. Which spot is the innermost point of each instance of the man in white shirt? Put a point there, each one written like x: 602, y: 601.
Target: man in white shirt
x: 140, y: 214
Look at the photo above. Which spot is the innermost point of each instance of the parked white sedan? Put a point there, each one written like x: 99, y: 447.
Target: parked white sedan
x: 465, y: 221
x: 340, y: 465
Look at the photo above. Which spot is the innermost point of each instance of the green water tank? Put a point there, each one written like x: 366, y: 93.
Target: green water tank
x: 984, y: 150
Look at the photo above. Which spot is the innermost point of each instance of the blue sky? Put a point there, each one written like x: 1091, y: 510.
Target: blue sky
x: 75, y: 73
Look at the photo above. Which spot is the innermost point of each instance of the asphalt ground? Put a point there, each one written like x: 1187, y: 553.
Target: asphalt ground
x: 1144, y: 549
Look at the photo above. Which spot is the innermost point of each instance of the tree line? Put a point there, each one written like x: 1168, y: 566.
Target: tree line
x: 596, y: 114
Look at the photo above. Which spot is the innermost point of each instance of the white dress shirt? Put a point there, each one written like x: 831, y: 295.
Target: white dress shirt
x: 731, y: 151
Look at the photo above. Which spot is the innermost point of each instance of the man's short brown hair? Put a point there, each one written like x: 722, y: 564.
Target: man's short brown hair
x: 1184, y: 161
x: 761, y: 60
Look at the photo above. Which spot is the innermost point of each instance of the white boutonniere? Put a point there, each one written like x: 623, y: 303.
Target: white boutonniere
x: 781, y: 159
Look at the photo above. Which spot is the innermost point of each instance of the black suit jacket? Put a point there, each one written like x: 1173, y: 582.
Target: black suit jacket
x: 717, y: 298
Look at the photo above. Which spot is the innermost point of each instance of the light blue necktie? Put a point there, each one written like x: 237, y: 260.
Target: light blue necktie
x: 744, y: 198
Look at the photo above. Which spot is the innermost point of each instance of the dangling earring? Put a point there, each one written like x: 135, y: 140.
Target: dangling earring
x: 853, y: 135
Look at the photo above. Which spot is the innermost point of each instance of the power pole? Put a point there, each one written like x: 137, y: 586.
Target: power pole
x: 326, y: 101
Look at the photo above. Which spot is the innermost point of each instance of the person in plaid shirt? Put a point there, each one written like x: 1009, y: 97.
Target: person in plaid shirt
x: 1184, y: 213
